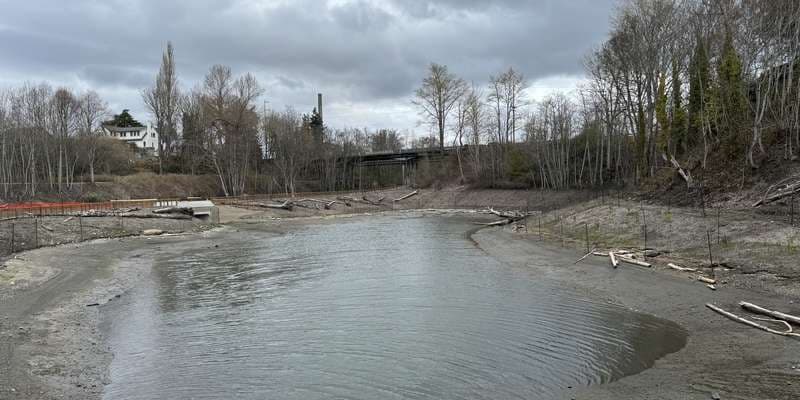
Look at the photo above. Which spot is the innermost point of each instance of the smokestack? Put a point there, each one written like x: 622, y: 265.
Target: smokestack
x: 319, y: 106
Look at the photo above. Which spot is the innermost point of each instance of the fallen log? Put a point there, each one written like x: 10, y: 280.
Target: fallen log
x: 635, y: 262
x: 774, y: 314
x: 707, y: 280
x: 495, y: 223
x: 687, y: 176
x: 414, y: 193
x: 613, y: 258
x: 373, y: 202
x: 788, y: 189
x: 600, y: 254
x: 682, y: 269
x: 756, y: 325
x: 514, y: 215
x: 286, y: 205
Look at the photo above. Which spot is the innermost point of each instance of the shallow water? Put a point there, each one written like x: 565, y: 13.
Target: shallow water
x: 366, y: 308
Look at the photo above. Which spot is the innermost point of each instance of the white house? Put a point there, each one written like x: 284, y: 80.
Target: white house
x: 143, y: 138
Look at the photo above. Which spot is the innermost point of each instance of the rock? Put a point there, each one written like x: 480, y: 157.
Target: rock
x: 93, y: 305
x: 715, y: 396
x: 652, y: 253
x: 152, y: 232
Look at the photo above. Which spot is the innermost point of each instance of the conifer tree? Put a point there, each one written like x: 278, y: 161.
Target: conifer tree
x: 733, y: 108
x: 661, y: 116
x: 678, y: 132
x: 699, y: 84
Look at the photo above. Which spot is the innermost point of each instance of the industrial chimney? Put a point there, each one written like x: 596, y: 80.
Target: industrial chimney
x: 319, y: 107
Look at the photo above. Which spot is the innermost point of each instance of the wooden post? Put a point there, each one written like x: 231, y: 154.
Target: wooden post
x: 562, y: 229
x: 12, y: 237
x: 791, y: 210
x: 586, y: 225
x: 710, y: 256
x: 80, y: 223
x: 644, y: 230
x: 36, y: 232
x: 718, y: 212
x: 540, y: 226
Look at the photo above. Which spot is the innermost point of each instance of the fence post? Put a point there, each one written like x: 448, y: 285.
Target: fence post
x: 80, y: 222
x: 36, y: 232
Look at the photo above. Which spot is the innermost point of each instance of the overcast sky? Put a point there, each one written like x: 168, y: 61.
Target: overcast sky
x: 365, y: 56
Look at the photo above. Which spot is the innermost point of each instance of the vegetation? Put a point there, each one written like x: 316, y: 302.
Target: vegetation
x: 678, y: 83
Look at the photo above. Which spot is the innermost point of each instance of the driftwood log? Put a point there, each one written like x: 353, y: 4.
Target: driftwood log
x: 635, y: 262
x: 686, y: 175
x: 495, y: 223
x: 682, y: 269
x: 774, y: 314
x: 414, y: 193
x: 286, y: 205
x: 756, y: 325
x: 707, y: 280
x: 613, y: 258
x: 784, y: 188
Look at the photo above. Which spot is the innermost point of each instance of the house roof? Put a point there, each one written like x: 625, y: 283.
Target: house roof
x: 113, y: 128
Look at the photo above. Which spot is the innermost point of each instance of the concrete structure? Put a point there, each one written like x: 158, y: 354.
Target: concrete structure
x: 143, y: 138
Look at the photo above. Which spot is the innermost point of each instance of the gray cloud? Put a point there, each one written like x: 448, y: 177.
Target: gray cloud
x: 362, y: 54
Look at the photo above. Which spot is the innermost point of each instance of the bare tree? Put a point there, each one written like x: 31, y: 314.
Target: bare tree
x: 438, y: 95
x: 92, y: 110
x: 233, y: 145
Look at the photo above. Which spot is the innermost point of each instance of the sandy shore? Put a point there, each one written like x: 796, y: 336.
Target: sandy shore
x: 51, y: 347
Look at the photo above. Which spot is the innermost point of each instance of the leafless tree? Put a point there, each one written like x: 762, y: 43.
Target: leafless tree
x: 438, y: 95
x: 92, y: 111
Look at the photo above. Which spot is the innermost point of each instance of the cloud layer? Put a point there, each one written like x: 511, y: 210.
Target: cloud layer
x: 366, y: 56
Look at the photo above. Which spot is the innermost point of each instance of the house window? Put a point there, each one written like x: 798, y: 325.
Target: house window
x: 153, y: 134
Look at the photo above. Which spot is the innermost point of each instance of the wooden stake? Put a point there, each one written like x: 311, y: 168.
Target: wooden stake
x: 585, y: 225
x: 710, y: 256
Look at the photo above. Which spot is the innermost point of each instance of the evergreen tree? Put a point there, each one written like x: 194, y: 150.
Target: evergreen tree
x: 678, y: 132
x: 661, y: 116
x: 699, y: 84
x: 733, y: 108
x: 641, y: 139
x: 123, y: 120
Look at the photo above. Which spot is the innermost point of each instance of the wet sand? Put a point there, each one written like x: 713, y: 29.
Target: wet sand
x: 51, y: 346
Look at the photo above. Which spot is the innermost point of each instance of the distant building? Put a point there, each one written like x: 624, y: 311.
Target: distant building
x: 143, y: 138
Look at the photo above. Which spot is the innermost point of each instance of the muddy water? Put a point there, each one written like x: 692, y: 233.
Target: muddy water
x: 379, y: 308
